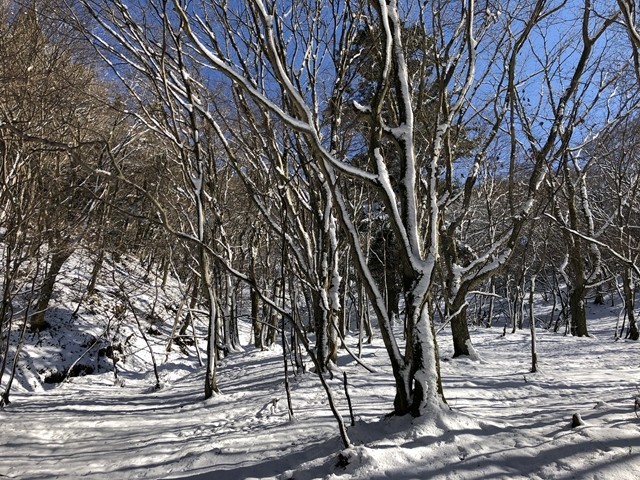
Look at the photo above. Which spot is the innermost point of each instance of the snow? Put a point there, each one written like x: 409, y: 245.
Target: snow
x: 505, y: 422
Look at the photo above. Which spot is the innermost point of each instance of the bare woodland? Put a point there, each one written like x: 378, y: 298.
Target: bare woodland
x: 382, y: 168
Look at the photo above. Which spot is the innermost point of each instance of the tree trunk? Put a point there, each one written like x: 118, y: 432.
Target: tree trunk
x: 363, y: 315
x: 629, y: 303
x: 492, y: 301
x: 577, y: 311
x: 321, y: 330
x: 455, y: 303
x: 255, y: 319
x: 4, y: 397
x: 599, y: 298
x: 228, y: 312
x: 226, y: 315
x: 532, y: 326
x: 459, y: 327
x: 210, y: 382
x: 576, y: 262
x: 420, y: 380
x: 46, y: 291
x: 95, y: 272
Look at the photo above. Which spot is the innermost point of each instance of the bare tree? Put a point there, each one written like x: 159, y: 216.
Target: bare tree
x: 418, y: 143
x: 53, y: 114
x: 615, y: 184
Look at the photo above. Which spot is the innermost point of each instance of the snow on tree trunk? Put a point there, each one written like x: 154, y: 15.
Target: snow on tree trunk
x: 423, y: 380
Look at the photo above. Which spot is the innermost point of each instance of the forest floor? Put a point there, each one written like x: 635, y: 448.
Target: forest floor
x: 504, y: 422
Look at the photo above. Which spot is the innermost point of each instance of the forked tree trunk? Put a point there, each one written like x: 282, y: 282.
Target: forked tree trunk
x: 418, y: 382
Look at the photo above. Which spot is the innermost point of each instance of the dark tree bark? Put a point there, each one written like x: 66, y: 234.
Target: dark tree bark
x: 255, y: 320
x: 629, y: 303
x: 460, y: 327
x: 58, y: 258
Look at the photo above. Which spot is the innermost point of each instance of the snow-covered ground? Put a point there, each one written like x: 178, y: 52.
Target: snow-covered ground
x: 505, y: 422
